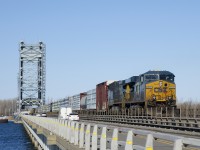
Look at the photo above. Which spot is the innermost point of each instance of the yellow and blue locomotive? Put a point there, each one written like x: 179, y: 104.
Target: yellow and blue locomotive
x: 150, y: 89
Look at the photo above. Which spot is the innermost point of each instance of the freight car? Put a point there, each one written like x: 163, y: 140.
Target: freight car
x: 151, y: 89
x: 102, y: 95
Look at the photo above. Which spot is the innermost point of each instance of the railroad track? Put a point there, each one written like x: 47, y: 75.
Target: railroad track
x: 191, y: 125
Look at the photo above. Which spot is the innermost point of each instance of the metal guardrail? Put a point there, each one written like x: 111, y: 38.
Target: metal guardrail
x: 35, y: 136
x: 88, y: 135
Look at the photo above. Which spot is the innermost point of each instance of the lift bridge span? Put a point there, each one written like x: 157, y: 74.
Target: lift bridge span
x: 32, y: 75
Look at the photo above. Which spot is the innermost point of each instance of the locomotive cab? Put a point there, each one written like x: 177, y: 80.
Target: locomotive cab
x: 160, y: 89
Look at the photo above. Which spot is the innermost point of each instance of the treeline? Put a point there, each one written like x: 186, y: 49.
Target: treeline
x: 190, y: 104
x: 8, y: 106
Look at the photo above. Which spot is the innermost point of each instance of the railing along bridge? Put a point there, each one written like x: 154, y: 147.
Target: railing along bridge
x: 84, y: 135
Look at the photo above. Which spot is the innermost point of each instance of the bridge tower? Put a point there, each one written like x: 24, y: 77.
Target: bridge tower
x: 32, y: 75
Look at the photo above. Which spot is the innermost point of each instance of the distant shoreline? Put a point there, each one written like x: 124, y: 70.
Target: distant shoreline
x: 10, y: 118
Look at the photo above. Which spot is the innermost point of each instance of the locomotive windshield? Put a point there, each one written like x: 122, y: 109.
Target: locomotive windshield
x: 151, y: 77
x: 167, y: 77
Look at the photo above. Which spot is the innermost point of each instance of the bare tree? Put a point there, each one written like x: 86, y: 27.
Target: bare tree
x: 8, y: 106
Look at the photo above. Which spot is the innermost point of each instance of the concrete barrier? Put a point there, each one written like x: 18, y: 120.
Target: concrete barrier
x: 91, y: 138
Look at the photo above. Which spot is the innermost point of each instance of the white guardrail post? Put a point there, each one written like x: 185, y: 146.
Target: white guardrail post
x: 81, y: 138
x: 68, y: 130
x: 56, y: 127
x: 149, y: 142
x: 103, y: 141
x: 76, y: 133
x: 65, y: 130
x: 72, y: 132
x: 178, y: 144
x: 87, y: 138
x: 94, y: 138
x: 60, y: 129
x: 114, y: 142
x: 129, y: 141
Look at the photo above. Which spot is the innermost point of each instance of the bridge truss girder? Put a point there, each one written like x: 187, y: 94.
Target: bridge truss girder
x: 32, y: 75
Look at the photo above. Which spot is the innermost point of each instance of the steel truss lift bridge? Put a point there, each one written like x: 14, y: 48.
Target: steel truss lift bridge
x: 32, y: 75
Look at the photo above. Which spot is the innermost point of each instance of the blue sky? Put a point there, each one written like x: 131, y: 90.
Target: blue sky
x: 89, y: 41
